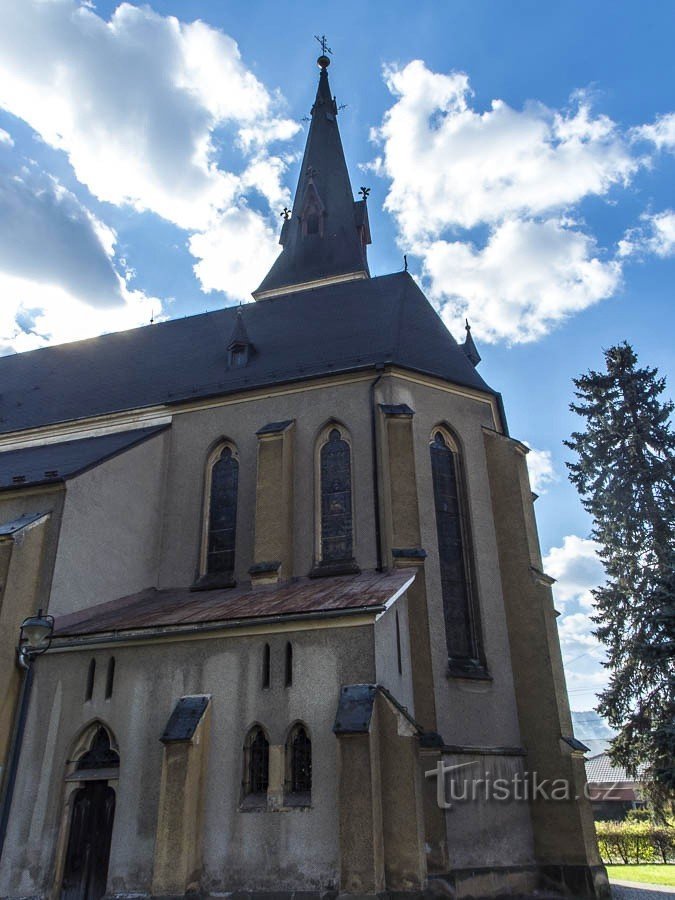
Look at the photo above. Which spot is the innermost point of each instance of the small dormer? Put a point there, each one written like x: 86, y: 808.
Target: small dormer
x: 240, y: 347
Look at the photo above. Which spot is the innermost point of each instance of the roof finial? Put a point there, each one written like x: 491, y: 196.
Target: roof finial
x: 364, y: 192
x: 469, y: 346
x: 323, y: 61
x: 405, y: 262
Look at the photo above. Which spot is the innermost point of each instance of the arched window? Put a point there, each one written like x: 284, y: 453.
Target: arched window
x: 110, y: 678
x: 288, y: 680
x: 461, y: 627
x: 298, y: 765
x: 100, y: 755
x: 266, y: 666
x: 256, y: 765
x: 91, y: 677
x: 222, y: 485
x: 336, y: 519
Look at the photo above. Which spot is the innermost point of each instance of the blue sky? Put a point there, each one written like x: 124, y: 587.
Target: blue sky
x: 522, y: 155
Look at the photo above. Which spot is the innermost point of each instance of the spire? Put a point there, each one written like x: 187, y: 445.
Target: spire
x: 470, y: 348
x: 325, y: 235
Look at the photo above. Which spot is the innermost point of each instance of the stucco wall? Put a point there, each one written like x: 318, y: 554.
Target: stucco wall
x: 386, y: 657
x: 293, y: 848
x: 193, y: 435
x: 26, y: 562
x: 111, y: 529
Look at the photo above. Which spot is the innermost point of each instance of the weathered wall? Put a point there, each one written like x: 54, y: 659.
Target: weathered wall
x: 283, y: 849
x: 26, y: 561
x: 386, y: 656
x: 194, y: 433
x: 111, y: 529
x: 564, y: 831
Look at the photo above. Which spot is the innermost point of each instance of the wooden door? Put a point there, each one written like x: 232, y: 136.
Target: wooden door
x: 88, y: 852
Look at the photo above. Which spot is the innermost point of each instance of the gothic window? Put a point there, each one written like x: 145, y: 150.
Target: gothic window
x: 266, y: 667
x: 312, y: 223
x: 222, y: 513
x: 256, y: 763
x: 91, y: 676
x: 460, y: 624
x: 299, y: 764
x: 110, y: 678
x: 336, y: 544
x: 289, y: 664
x: 100, y: 754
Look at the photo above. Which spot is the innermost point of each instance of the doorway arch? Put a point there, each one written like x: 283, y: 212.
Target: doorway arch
x: 90, y: 803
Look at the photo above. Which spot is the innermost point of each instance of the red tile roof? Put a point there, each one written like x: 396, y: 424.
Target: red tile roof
x: 172, y: 607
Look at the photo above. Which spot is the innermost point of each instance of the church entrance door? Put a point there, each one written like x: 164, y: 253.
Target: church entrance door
x: 88, y: 852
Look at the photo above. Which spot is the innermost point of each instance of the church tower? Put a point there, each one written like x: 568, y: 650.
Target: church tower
x: 325, y: 236
x: 303, y: 642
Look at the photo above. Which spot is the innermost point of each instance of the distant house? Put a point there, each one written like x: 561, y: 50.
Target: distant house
x: 610, y: 789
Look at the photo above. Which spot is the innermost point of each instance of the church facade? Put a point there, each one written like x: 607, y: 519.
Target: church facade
x: 292, y: 559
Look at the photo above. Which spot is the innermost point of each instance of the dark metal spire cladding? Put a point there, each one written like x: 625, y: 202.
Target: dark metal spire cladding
x: 325, y: 237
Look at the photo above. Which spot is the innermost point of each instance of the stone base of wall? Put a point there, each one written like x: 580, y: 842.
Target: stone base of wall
x: 523, y: 882
x: 506, y: 883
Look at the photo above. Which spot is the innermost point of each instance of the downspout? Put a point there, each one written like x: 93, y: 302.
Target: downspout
x: 376, y: 484
x: 15, y: 752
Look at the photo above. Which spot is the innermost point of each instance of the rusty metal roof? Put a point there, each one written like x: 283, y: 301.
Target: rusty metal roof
x: 172, y: 607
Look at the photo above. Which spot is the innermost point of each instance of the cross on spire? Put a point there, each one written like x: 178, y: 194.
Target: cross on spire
x: 323, y: 44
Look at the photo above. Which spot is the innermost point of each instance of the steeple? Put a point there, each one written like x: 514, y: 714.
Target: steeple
x: 325, y: 235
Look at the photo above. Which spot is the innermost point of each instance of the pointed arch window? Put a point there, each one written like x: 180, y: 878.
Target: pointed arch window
x: 220, y: 530
x: 256, y: 767
x: 298, y: 766
x: 461, y: 622
x: 335, y: 502
x: 91, y: 678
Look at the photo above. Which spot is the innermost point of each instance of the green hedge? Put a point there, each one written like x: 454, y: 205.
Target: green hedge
x: 635, y: 842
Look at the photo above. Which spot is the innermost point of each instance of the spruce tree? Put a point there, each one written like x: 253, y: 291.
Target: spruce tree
x: 625, y: 475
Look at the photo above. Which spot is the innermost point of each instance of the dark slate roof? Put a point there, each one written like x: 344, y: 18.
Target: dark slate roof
x: 152, y: 608
x: 57, y: 462
x: 336, y: 328
x: 7, y: 529
x: 324, y: 182
x: 600, y: 769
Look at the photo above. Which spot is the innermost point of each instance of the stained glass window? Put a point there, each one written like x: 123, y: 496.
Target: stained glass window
x: 459, y: 629
x: 223, y: 514
x: 336, y: 499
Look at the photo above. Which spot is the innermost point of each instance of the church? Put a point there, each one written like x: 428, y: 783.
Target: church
x: 284, y: 564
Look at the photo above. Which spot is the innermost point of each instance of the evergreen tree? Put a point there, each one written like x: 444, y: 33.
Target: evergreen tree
x: 625, y: 474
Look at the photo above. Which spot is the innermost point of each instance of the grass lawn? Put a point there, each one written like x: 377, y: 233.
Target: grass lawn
x: 646, y: 874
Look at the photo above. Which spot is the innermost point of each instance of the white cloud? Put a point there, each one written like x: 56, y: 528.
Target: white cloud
x: 155, y: 114
x: 516, y: 175
x: 451, y: 165
x: 46, y: 235
x: 134, y: 102
x: 656, y: 235
x: 34, y: 314
x: 540, y: 467
x: 235, y: 254
x: 529, y: 276
x: 59, y: 279
x: 577, y: 569
x: 661, y: 133
x: 6, y: 138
